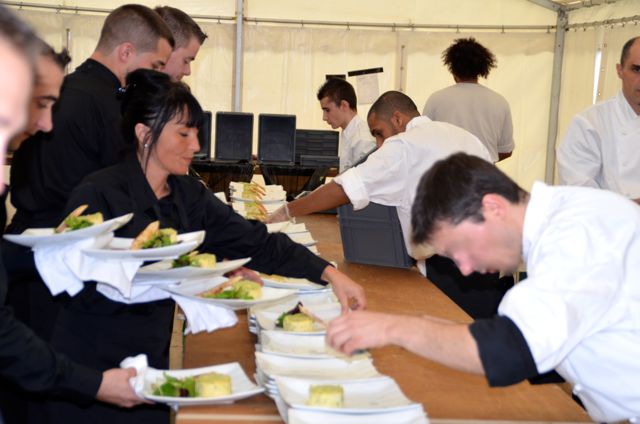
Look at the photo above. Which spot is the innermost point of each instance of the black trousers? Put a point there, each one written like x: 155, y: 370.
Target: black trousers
x: 477, y: 294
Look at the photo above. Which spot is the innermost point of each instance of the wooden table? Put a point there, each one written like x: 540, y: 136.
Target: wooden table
x: 444, y: 393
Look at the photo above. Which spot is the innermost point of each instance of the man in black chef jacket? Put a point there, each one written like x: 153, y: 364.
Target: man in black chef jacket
x: 24, y: 358
x: 85, y: 138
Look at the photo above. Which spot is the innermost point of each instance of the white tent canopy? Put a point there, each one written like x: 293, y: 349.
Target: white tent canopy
x: 283, y: 64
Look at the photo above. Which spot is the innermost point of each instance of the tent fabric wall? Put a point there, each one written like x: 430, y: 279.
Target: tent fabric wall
x: 283, y: 65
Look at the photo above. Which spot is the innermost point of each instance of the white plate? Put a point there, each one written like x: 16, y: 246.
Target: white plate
x: 291, y: 283
x: 163, y: 272
x: 317, y: 369
x: 119, y: 248
x: 286, y: 227
x: 303, y: 238
x: 33, y: 236
x: 193, y: 287
x: 240, y: 207
x: 360, y: 396
x: 306, y: 297
x: 327, y: 312
x: 413, y: 415
x: 297, y: 346
x: 270, y: 197
x: 241, y: 386
x: 313, y: 249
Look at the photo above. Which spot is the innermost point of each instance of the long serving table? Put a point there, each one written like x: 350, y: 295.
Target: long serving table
x: 447, y: 395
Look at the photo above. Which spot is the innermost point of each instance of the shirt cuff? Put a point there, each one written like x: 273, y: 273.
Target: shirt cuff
x: 504, y: 352
x: 79, y: 382
x: 354, y: 188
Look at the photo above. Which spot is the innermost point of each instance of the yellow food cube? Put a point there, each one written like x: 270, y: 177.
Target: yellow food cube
x: 297, y: 322
x: 329, y: 396
x: 213, y: 385
x: 204, y: 260
x: 248, y: 288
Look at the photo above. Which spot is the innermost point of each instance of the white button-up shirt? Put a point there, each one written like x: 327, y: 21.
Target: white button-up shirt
x: 579, y: 308
x: 390, y: 176
x: 355, y: 142
x: 602, y: 148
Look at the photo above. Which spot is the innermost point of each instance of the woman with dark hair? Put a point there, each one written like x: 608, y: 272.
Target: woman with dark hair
x: 160, y: 121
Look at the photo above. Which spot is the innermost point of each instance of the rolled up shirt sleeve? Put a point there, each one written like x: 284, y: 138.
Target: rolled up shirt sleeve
x: 504, y: 352
x: 381, y: 179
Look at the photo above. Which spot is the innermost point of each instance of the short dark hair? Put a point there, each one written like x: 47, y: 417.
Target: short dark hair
x: 19, y: 35
x: 61, y: 58
x: 182, y: 26
x: 135, y: 24
x: 338, y: 89
x: 452, y: 191
x: 625, y: 50
x: 152, y: 99
x: 390, y: 102
x: 468, y: 59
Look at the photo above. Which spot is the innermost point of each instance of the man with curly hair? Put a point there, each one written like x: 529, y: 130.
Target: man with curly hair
x: 469, y: 105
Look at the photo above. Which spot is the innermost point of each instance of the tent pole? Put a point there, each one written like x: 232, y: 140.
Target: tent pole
x: 237, y: 76
x: 556, y: 78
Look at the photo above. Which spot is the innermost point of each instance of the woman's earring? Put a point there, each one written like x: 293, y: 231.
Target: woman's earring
x: 146, y: 145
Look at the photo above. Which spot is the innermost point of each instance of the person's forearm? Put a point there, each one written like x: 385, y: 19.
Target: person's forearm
x: 441, y: 341
x: 325, y: 197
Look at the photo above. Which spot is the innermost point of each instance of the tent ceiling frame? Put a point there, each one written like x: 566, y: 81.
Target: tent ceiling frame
x: 346, y: 24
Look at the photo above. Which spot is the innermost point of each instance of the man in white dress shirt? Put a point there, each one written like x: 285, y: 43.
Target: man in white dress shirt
x: 469, y: 105
x: 339, y: 109
x: 578, y: 312
x: 602, y: 145
x: 408, y: 144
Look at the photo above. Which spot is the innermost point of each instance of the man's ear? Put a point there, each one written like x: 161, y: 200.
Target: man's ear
x: 344, y: 105
x: 494, y: 205
x: 619, y: 70
x: 125, y: 51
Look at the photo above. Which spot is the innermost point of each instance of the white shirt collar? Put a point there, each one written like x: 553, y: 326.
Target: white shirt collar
x: 351, y: 128
x: 416, y: 122
x: 535, y: 216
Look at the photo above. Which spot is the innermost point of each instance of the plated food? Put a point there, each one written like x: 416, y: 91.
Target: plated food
x: 211, y: 384
x: 32, y: 237
x: 195, y: 259
x: 153, y: 236
x: 206, y: 289
x: 299, y: 320
x: 235, y: 288
x: 76, y: 221
x: 366, y: 396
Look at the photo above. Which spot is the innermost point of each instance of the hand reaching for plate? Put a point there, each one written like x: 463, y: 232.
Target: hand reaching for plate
x: 279, y: 215
x: 349, y: 293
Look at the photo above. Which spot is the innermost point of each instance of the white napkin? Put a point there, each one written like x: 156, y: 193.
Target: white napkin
x: 64, y: 267
x: 141, y: 364
x: 138, y: 294
x: 204, y: 316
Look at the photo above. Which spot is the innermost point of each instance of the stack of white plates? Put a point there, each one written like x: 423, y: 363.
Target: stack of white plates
x: 269, y: 367
x: 377, y: 399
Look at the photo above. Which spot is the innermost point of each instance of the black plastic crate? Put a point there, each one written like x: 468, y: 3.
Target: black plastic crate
x: 316, y: 143
x: 276, y: 139
x: 204, y: 138
x: 319, y: 161
x: 234, y: 136
x: 373, y: 236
